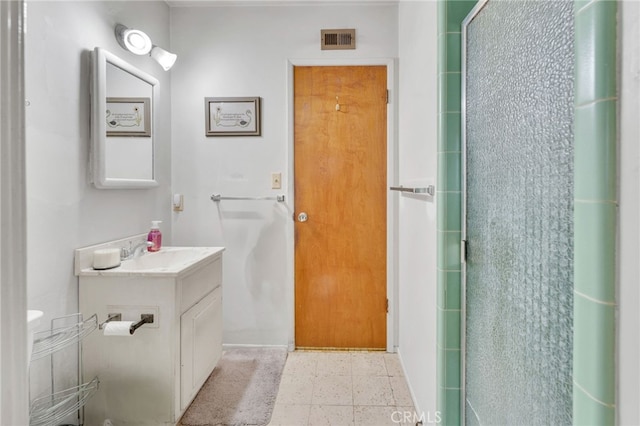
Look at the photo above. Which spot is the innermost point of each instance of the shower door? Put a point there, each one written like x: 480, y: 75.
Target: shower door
x: 518, y: 154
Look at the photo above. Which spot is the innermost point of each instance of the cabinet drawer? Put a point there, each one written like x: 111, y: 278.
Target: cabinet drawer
x: 201, y: 282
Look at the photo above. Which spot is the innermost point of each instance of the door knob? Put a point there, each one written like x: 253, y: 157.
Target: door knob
x: 302, y: 217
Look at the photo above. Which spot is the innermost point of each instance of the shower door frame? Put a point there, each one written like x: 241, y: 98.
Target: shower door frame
x: 463, y: 243
x: 473, y: 13
x: 594, y: 371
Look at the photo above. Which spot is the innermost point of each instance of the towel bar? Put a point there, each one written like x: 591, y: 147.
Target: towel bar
x: 218, y: 197
x: 430, y: 190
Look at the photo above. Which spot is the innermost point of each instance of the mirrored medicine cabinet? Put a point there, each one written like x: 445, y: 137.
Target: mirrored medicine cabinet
x: 122, y: 123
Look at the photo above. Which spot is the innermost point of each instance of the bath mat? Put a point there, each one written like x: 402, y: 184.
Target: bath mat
x: 240, y: 391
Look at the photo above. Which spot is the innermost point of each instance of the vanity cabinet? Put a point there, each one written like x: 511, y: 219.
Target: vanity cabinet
x: 151, y: 377
x: 200, y: 344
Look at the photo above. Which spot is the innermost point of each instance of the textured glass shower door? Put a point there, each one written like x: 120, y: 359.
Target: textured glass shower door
x: 518, y: 149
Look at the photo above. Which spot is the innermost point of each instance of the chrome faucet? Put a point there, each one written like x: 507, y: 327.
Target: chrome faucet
x: 138, y: 250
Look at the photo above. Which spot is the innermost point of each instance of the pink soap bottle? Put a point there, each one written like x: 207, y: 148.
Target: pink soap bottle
x: 155, y: 236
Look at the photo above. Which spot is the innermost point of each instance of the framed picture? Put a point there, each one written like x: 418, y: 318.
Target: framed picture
x: 232, y: 116
x: 128, y: 117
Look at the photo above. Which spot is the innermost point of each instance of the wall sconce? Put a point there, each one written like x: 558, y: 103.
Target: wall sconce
x: 137, y: 42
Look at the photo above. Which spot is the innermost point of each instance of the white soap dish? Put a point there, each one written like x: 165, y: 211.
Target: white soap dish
x: 106, y: 258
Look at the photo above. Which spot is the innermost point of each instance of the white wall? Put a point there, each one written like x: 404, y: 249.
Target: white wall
x: 629, y: 231
x: 243, y: 51
x: 417, y: 217
x: 237, y: 51
x: 64, y: 212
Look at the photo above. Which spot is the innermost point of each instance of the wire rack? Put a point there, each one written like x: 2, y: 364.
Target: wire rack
x: 47, y: 342
x: 65, y: 332
x: 51, y: 409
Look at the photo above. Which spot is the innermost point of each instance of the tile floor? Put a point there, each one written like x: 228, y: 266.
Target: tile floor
x: 342, y: 388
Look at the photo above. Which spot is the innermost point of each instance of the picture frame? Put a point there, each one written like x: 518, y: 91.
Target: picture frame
x: 128, y: 117
x: 236, y: 116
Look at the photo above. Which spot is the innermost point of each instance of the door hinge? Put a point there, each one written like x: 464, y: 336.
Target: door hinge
x: 387, y: 306
x: 387, y: 95
x: 464, y: 249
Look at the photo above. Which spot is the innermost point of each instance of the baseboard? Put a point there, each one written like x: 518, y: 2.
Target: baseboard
x: 416, y: 406
x: 228, y: 346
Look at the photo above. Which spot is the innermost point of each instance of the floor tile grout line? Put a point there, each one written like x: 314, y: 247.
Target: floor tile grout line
x: 385, y: 363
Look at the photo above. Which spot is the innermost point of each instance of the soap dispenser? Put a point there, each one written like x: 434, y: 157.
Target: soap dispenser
x: 155, y: 236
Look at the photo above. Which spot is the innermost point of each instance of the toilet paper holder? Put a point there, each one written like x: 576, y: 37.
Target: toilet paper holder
x: 144, y: 319
x: 110, y: 317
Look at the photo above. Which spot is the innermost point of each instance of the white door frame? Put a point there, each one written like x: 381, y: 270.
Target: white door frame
x: 392, y: 202
x: 14, y: 402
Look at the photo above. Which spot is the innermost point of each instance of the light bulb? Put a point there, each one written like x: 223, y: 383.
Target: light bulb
x: 135, y: 41
x: 164, y: 58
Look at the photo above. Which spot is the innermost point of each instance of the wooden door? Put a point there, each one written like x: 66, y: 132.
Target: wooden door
x: 340, y: 156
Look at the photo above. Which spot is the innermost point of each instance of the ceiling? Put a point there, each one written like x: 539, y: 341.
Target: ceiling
x: 209, y: 3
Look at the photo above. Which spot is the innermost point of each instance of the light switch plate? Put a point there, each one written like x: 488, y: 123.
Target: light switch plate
x: 276, y: 180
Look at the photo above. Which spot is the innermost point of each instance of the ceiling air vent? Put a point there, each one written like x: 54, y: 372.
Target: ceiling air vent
x: 337, y: 39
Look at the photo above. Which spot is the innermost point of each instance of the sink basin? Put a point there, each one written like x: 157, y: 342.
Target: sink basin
x: 33, y: 320
x: 169, y: 261
x: 167, y: 258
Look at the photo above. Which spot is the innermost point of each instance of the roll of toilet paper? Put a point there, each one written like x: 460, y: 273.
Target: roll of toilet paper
x: 118, y: 328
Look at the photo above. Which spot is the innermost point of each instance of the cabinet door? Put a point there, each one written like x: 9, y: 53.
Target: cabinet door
x: 200, y: 344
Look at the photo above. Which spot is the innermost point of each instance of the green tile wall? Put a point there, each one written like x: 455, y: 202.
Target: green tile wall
x: 595, y: 211
x: 449, y: 193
